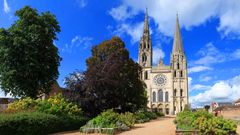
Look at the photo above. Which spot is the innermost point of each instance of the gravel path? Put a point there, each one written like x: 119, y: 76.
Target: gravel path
x: 161, y: 126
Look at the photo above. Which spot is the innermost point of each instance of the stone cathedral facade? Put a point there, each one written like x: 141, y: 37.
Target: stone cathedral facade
x: 166, y: 85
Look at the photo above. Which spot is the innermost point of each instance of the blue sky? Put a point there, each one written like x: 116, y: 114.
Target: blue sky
x: 210, y: 31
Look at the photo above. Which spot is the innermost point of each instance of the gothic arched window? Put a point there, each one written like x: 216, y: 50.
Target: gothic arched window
x: 144, y: 58
x: 175, y: 92
x: 166, y: 96
x: 181, y: 92
x: 178, y: 66
x: 154, y: 96
x: 144, y: 45
x: 160, y: 96
x: 175, y: 73
x: 181, y: 73
x: 146, y: 75
x: 181, y: 107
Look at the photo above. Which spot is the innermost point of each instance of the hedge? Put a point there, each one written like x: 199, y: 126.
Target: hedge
x: 37, y: 123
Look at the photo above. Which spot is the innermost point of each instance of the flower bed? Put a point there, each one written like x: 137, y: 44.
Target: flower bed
x: 110, y: 122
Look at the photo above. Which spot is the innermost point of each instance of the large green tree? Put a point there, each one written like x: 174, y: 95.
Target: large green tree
x: 111, y: 80
x: 29, y: 60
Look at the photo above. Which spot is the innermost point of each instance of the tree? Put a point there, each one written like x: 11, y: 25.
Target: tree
x: 112, y: 80
x: 75, y: 84
x: 207, y: 107
x: 29, y: 60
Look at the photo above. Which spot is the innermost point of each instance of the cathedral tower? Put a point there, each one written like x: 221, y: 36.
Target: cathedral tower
x: 145, y: 46
x: 166, y: 85
x: 179, y: 72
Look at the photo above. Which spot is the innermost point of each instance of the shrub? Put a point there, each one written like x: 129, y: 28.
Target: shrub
x: 151, y: 115
x: 159, y: 114
x: 37, y: 123
x: 145, y: 116
x: 106, y: 119
x: 141, y: 117
x: 59, y: 106
x: 54, y: 105
x: 111, y: 120
x: 185, y: 119
x: 205, y: 122
x: 215, y: 125
x: 25, y: 104
x: 127, y: 118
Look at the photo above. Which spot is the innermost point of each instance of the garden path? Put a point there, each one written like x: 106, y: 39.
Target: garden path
x: 160, y: 126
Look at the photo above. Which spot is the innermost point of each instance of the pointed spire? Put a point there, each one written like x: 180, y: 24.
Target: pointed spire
x: 146, y: 26
x: 177, y: 43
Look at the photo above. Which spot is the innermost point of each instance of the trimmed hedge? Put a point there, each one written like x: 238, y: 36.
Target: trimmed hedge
x: 37, y: 123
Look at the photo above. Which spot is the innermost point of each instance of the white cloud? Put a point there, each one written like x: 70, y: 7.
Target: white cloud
x: 121, y: 13
x: 133, y: 30
x: 82, y: 3
x: 192, y: 86
x: 189, y: 82
x: 157, y: 54
x: 210, y: 55
x: 84, y: 42
x: 6, y: 8
x: 229, y: 18
x: 199, y: 87
x: 236, y: 54
x: 222, y: 91
x: 196, y: 69
x: 205, y: 78
x: 191, y: 13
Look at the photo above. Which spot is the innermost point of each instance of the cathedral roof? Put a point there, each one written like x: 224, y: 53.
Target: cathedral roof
x: 177, y: 43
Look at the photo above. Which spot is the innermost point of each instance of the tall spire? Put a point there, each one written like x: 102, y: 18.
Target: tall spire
x: 145, y: 46
x: 177, y: 43
x: 146, y: 27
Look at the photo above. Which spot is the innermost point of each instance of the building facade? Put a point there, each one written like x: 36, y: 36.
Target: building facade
x: 237, y: 103
x: 166, y: 85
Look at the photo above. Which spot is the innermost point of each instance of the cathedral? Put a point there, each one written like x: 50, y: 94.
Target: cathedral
x: 166, y: 85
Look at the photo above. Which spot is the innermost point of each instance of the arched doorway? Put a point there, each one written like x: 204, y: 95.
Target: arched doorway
x: 160, y: 107
x: 167, y: 109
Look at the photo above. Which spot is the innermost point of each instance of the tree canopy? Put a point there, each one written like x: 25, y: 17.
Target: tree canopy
x: 111, y: 80
x: 29, y: 60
